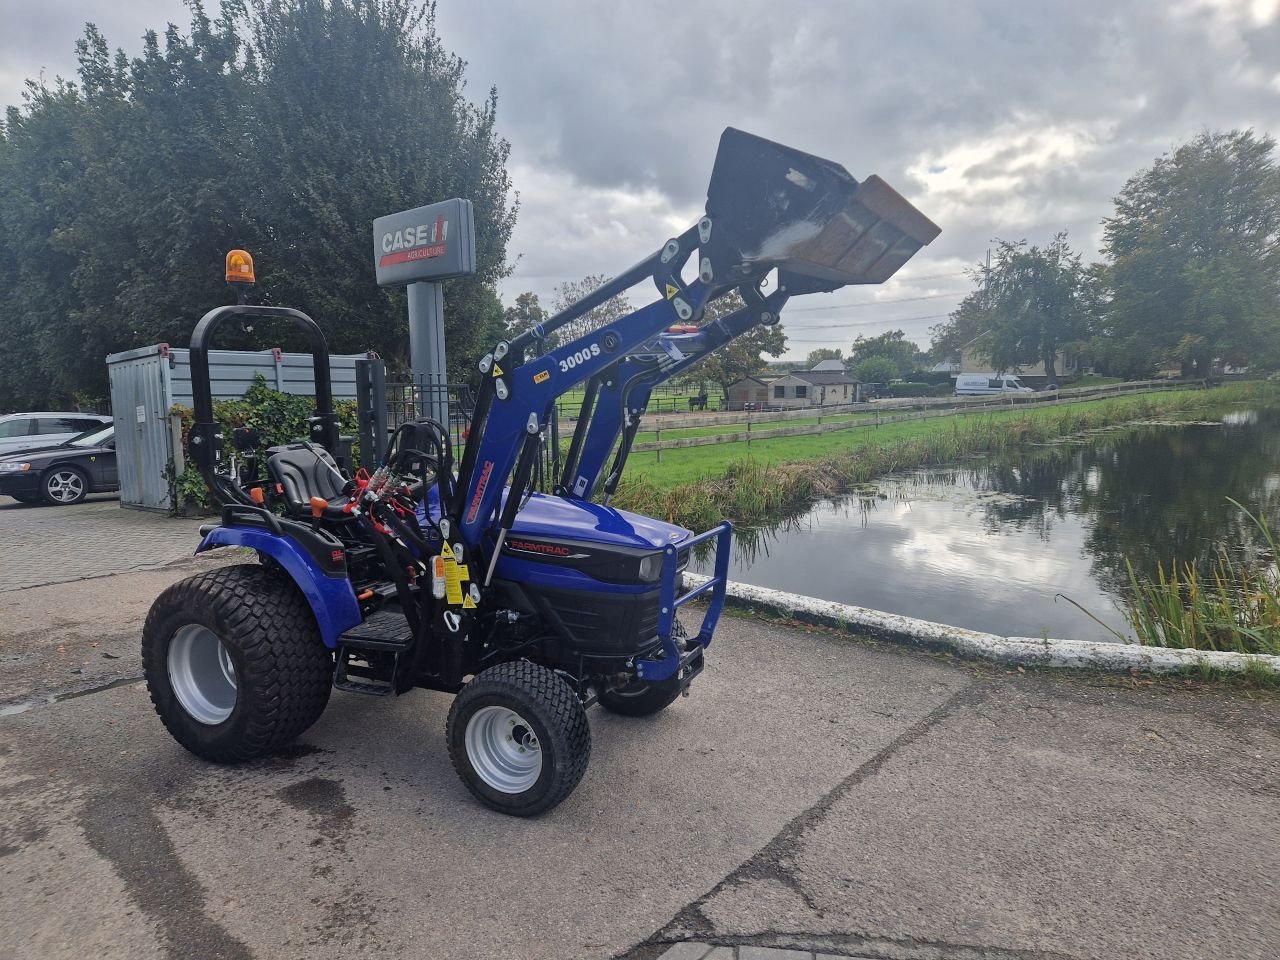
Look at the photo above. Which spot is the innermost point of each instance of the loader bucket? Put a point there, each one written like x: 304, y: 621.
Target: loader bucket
x: 773, y: 206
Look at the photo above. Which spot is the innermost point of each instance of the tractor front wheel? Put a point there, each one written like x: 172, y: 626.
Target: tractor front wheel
x: 644, y: 698
x: 518, y: 737
x: 234, y: 663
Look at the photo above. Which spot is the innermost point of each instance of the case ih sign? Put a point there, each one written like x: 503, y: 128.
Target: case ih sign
x: 434, y: 242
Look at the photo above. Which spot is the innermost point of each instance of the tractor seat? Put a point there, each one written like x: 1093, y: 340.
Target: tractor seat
x: 306, y: 470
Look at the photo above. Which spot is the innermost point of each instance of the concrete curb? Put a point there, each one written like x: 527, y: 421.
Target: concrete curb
x: 1018, y: 651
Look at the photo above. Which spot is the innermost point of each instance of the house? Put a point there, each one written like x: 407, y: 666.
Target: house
x: 754, y: 390
x: 801, y: 388
x: 1066, y: 366
x: 828, y: 366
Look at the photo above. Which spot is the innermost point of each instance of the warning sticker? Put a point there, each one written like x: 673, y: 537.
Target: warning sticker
x: 452, y: 583
x: 542, y: 377
x: 497, y: 371
x: 468, y: 603
x: 446, y: 551
x: 672, y: 291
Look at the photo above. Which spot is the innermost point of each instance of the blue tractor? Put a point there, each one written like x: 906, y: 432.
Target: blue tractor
x: 457, y: 574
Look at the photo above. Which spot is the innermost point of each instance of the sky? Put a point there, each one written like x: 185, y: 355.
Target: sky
x: 1009, y: 119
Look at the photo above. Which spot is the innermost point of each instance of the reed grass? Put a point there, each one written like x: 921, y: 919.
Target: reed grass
x: 1234, y: 606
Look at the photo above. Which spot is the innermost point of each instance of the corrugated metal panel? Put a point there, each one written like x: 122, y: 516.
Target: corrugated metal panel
x: 145, y: 385
x: 231, y: 374
x: 140, y: 404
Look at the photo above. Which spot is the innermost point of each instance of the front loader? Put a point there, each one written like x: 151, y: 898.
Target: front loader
x: 453, y: 573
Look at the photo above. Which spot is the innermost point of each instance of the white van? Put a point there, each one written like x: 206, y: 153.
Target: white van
x: 979, y: 385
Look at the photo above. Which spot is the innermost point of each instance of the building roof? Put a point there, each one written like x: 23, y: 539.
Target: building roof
x: 763, y: 379
x: 824, y: 377
x: 824, y: 365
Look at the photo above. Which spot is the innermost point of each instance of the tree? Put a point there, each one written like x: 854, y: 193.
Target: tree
x: 963, y: 328
x: 1031, y: 303
x: 893, y: 346
x: 744, y: 356
x: 281, y: 126
x: 1035, y: 304
x: 570, y: 292
x: 823, y: 353
x: 526, y: 313
x: 878, y: 369
x: 1194, y: 254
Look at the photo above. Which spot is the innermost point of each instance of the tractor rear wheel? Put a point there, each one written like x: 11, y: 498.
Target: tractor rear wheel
x: 234, y: 662
x: 518, y: 737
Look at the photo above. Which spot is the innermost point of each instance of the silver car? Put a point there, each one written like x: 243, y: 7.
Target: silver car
x: 27, y: 431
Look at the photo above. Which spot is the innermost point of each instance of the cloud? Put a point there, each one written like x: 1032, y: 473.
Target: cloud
x: 996, y: 119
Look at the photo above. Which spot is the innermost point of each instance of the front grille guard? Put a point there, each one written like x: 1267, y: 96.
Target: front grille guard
x: 672, y: 660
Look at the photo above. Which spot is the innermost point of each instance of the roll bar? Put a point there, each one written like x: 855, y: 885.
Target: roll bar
x: 206, y: 439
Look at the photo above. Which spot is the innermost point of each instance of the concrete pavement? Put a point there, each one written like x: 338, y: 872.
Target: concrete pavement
x: 814, y: 794
x: 47, y: 544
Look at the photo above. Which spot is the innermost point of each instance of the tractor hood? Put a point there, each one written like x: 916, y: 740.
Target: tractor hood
x: 774, y: 206
x: 556, y: 517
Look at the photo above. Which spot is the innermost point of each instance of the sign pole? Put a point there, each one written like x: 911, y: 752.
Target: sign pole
x: 426, y: 348
x: 417, y: 249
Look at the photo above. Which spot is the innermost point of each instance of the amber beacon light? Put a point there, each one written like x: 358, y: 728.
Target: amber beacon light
x: 240, y: 267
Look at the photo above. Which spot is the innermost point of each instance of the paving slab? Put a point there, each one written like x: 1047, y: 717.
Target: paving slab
x: 47, y: 544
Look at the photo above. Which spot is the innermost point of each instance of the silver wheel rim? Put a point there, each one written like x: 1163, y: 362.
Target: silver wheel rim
x: 503, y: 749
x: 65, y: 486
x: 202, y: 674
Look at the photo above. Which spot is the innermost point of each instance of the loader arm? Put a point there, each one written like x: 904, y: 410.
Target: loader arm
x: 623, y: 391
x: 769, y: 207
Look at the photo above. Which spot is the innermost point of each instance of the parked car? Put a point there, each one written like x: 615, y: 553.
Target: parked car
x: 979, y: 385
x: 28, y: 431
x: 62, y: 474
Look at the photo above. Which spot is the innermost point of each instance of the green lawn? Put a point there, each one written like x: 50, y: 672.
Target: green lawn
x: 695, y: 463
x: 1092, y: 381
x: 648, y: 436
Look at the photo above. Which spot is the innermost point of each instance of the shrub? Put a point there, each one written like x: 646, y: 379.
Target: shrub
x: 910, y: 390
x: 278, y: 417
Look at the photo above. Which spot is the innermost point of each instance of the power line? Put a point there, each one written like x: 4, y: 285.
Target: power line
x: 877, y: 303
x: 835, y: 337
x: 860, y: 323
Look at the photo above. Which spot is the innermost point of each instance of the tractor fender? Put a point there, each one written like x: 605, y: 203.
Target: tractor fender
x: 332, y: 600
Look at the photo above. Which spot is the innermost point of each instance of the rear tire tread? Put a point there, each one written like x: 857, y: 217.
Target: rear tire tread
x: 284, y: 671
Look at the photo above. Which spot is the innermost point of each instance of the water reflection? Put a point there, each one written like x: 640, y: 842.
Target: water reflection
x: 990, y: 544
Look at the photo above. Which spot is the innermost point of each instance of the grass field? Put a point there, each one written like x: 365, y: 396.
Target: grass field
x: 695, y: 463
x: 699, y: 486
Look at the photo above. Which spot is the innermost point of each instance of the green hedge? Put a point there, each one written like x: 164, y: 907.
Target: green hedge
x: 911, y: 390
x: 278, y: 417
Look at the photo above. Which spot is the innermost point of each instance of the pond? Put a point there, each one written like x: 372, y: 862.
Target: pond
x: 1000, y: 544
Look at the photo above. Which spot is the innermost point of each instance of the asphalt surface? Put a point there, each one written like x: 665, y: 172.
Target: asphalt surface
x: 815, y: 793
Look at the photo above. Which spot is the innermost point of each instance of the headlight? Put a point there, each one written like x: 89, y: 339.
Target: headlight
x: 651, y: 567
x: 14, y: 467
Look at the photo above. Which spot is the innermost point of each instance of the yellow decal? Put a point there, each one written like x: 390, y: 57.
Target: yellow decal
x: 542, y: 377
x: 497, y: 371
x: 468, y: 603
x: 672, y: 291
x: 452, y: 583
x: 446, y: 551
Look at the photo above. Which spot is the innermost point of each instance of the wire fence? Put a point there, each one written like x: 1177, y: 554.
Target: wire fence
x: 848, y: 417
